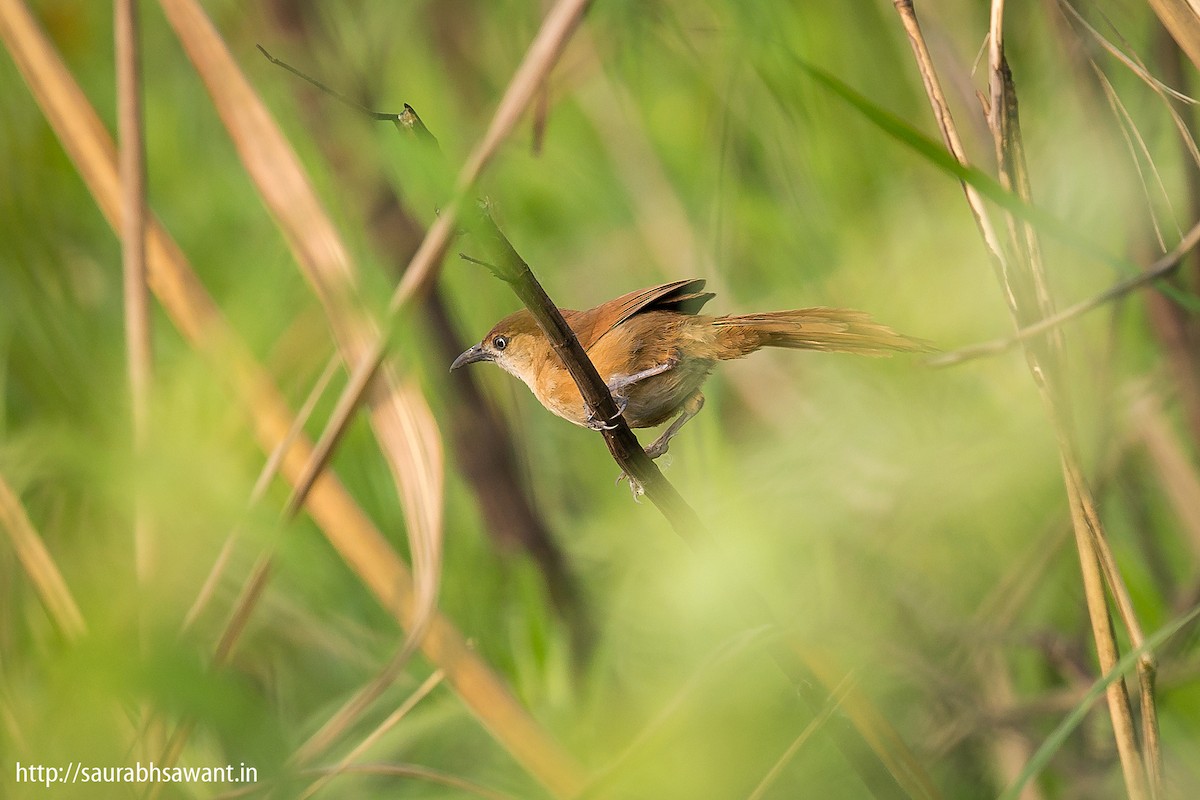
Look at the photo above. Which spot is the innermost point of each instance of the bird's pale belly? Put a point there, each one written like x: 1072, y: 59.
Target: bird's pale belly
x: 649, y: 402
x: 656, y: 399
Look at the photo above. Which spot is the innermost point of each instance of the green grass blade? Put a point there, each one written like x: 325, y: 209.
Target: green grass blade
x: 1059, y: 735
x: 936, y: 154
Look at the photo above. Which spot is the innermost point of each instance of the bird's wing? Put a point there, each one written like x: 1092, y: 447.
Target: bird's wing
x: 684, y: 297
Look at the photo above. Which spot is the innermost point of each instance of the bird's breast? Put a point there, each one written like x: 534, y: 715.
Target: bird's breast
x: 556, y: 390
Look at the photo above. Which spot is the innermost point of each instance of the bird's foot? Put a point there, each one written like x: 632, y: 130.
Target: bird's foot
x: 598, y: 424
x: 658, y: 449
x: 635, y: 486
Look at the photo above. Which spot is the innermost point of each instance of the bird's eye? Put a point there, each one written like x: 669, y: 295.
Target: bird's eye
x: 500, y: 343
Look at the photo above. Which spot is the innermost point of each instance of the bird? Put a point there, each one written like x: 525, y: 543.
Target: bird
x: 654, y: 350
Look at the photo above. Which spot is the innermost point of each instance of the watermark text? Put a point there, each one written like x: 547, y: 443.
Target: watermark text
x: 78, y: 772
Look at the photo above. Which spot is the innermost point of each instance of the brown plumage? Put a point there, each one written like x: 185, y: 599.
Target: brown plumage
x: 654, y: 350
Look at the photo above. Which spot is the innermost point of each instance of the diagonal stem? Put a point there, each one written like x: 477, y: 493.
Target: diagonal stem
x: 543, y: 52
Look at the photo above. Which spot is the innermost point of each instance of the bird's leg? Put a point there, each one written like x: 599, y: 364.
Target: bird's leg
x: 617, y: 385
x: 690, y: 408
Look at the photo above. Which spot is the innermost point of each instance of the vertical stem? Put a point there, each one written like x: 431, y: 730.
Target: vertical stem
x: 1028, y: 298
x: 1120, y: 709
x: 132, y: 172
x: 1045, y: 358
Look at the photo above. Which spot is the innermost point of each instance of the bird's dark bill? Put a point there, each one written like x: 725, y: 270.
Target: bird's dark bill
x: 470, y: 356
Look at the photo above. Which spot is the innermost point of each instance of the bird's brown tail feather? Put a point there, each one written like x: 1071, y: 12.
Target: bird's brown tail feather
x: 829, y: 329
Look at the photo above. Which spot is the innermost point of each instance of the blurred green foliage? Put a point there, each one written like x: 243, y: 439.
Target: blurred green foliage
x: 877, y: 504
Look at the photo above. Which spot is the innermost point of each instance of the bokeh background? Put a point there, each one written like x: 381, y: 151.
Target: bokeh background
x: 906, y: 524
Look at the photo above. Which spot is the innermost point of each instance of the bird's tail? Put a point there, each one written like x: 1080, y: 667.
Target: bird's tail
x: 829, y: 329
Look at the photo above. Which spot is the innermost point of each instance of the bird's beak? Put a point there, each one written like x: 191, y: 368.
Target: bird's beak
x: 476, y: 353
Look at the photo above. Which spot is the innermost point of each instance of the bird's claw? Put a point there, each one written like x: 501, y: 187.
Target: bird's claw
x: 609, y: 424
x: 598, y: 424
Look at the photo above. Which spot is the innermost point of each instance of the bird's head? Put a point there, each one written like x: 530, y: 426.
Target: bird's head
x: 516, y: 344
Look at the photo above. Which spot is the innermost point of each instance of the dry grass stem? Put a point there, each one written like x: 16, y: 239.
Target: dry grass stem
x: 481, y: 438
x: 374, y: 736
x: 1022, y: 278
x: 560, y: 22
x: 539, y: 60
x: 1151, y: 736
x: 1135, y: 65
x: 1045, y: 361
x: 1180, y: 18
x: 132, y: 168
x: 1087, y: 534
x: 814, y: 725
x: 354, y: 708
x: 268, y: 473
x: 1131, y: 61
x: 1162, y: 267
x: 949, y: 132
x: 1135, y: 143
x: 39, y: 565
x: 400, y: 415
x: 349, y: 531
